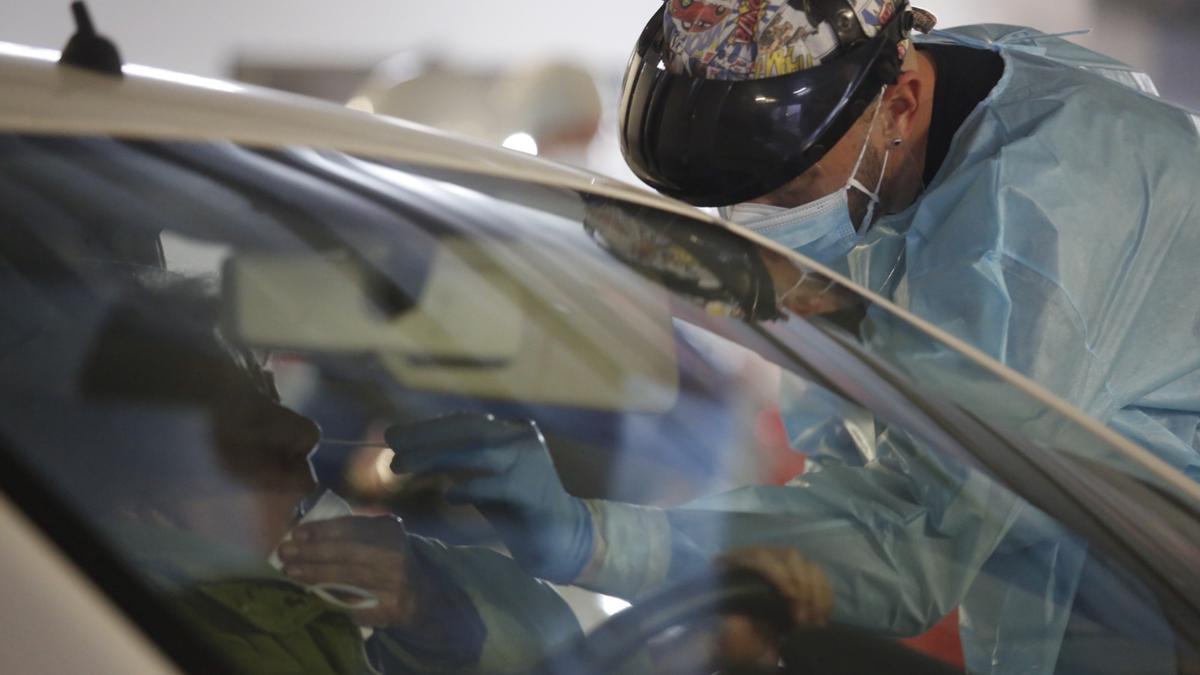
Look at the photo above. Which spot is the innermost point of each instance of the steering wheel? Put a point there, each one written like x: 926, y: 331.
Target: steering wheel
x: 832, y: 650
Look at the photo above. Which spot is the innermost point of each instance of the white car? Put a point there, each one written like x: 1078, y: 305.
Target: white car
x: 193, y: 272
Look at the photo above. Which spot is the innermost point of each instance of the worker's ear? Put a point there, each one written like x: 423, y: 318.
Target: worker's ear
x: 902, y: 105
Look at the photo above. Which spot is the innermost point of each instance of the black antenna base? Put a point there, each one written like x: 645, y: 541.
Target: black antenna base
x: 88, y: 50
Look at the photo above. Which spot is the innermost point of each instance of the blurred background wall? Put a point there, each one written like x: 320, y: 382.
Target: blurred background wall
x: 510, y: 72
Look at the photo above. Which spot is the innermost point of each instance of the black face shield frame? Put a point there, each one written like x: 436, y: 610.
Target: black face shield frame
x: 717, y: 142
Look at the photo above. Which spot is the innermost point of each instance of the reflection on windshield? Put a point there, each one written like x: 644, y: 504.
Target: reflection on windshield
x: 343, y: 415
x: 714, y: 267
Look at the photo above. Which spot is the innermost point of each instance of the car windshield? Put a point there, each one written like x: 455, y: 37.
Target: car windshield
x: 206, y: 344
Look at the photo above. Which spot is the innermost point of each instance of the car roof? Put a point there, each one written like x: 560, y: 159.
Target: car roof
x: 42, y: 96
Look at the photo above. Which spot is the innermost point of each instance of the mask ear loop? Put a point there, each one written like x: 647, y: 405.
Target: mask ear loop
x: 356, y: 598
x: 872, y: 195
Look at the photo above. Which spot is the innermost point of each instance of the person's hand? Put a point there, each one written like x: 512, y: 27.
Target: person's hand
x: 802, y: 583
x: 373, y: 554
x: 503, y: 468
x: 742, y: 641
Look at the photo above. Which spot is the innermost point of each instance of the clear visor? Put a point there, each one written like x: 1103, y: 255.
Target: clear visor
x: 717, y: 142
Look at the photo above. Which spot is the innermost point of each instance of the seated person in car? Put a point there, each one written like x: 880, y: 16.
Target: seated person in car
x: 204, y: 506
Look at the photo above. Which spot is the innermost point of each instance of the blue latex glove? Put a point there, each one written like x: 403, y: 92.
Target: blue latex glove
x: 502, y: 467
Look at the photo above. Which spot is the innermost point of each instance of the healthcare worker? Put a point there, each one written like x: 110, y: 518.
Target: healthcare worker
x: 1026, y: 195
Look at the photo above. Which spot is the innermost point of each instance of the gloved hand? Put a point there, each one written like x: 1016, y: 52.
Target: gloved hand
x: 502, y: 467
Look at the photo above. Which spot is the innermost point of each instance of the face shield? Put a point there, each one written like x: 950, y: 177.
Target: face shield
x: 720, y: 142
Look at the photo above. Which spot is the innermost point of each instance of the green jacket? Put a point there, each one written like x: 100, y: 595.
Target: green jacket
x: 261, y: 622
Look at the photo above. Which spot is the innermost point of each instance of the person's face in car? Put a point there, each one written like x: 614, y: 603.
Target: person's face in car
x: 261, y: 474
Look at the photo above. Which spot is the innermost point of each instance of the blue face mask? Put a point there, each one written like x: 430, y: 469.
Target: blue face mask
x: 823, y: 229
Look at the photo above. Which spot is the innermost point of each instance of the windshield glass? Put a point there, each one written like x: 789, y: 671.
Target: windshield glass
x: 343, y: 414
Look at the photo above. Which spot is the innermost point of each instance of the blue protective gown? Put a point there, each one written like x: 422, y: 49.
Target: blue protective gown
x: 1060, y: 237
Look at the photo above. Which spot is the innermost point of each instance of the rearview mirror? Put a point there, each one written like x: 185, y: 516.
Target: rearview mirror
x: 317, y: 302
x: 492, y: 319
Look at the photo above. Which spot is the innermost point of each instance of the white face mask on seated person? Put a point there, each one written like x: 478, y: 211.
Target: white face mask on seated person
x: 823, y: 229
x: 343, y: 596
